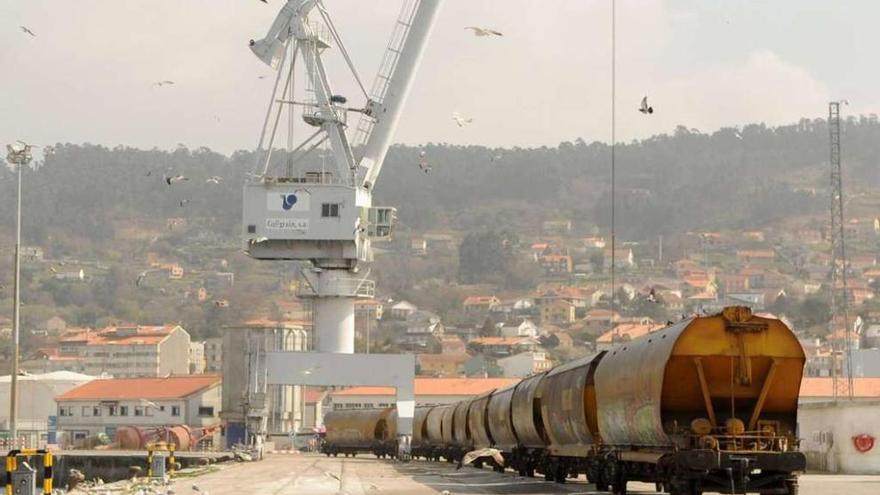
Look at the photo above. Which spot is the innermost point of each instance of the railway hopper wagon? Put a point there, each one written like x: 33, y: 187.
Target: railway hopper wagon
x: 708, y: 404
x: 355, y: 431
x: 420, y: 446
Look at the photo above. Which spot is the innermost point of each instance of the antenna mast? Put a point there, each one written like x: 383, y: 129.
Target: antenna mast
x: 843, y: 384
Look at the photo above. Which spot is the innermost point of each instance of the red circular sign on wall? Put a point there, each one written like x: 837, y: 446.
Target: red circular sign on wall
x: 863, y: 442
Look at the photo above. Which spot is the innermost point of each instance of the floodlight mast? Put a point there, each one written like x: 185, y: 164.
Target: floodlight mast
x: 327, y: 218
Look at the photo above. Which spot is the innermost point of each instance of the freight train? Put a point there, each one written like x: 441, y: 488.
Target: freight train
x: 708, y: 404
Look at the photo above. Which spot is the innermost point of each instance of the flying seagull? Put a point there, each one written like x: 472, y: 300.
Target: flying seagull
x: 331, y: 475
x: 480, y: 32
x: 423, y: 162
x: 164, y: 83
x: 496, y: 157
x: 461, y: 121
x: 644, y: 108
x: 27, y: 31
x: 214, y: 180
x: 177, y: 178
x: 183, y: 202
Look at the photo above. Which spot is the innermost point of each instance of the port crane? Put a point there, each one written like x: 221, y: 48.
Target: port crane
x: 324, y: 217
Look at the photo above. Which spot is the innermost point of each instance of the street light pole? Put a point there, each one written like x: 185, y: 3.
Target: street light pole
x: 19, y: 158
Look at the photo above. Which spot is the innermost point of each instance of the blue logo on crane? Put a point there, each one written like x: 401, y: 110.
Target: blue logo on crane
x: 288, y: 200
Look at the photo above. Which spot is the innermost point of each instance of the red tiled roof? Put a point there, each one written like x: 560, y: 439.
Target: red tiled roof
x: 628, y: 330
x: 313, y: 395
x: 480, y: 300
x: 437, y: 386
x: 149, y: 335
x: 174, y: 387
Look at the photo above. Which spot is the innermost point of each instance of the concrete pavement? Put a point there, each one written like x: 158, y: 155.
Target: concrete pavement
x: 287, y: 474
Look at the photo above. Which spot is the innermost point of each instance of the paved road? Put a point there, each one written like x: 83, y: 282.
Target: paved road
x: 305, y: 474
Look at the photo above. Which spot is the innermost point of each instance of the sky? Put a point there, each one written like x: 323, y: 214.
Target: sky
x: 88, y: 74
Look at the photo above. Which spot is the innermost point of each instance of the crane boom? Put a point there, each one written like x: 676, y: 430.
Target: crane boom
x: 386, y: 113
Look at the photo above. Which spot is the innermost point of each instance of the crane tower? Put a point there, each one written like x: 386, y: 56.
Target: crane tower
x: 325, y: 216
x: 843, y: 376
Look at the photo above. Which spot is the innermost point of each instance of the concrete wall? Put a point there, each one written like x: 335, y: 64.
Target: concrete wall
x: 827, y: 429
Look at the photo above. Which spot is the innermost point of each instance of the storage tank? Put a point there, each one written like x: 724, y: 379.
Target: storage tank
x: 138, y: 437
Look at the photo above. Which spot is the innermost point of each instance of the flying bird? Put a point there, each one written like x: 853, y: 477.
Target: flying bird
x: 25, y: 30
x: 461, y: 121
x: 331, y: 475
x: 196, y: 488
x: 261, y: 77
x: 163, y: 83
x: 183, y: 202
x: 644, y: 108
x: 496, y: 157
x: 171, y: 179
x: 480, y: 32
x: 214, y: 179
x: 140, y: 278
x: 423, y: 162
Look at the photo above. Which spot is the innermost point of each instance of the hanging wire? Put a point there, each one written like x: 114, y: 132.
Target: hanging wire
x: 613, y: 149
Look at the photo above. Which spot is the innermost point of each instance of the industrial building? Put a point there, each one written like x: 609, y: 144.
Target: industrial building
x: 428, y: 391
x: 104, y: 405
x: 36, y: 403
x: 118, y: 351
x: 250, y: 405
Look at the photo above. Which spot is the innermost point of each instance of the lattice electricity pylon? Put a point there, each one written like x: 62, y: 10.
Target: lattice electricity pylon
x: 843, y: 376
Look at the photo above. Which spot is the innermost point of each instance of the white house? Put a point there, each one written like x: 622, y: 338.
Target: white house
x: 102, y: 406
x: 521, y: 328
x: 524, y: 364
x: 403, y: 309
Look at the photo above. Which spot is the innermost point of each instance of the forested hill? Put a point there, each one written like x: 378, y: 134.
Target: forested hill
x: 682, y: 181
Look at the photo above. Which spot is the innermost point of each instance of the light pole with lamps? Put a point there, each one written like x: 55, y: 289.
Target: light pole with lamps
x: 18, y: 155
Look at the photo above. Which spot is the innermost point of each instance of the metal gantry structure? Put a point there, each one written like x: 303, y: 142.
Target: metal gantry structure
x: 322, y: 216
x: 842, y: 372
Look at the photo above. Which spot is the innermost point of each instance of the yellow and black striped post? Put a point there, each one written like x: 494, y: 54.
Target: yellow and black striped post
x: 171, y: 462
x: 12, y: 465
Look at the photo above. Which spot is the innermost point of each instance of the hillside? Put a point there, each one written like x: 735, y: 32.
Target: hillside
x: 667, y: 183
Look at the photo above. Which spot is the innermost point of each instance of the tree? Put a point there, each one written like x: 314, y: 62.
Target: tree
x: 489, y: 329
